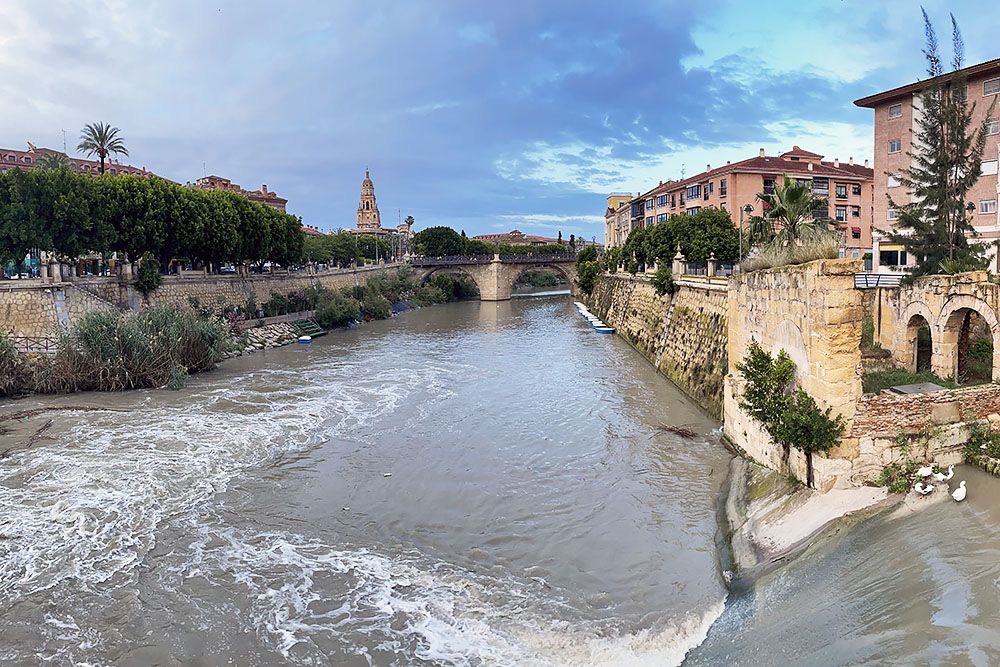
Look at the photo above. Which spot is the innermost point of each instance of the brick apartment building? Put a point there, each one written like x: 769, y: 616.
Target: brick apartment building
x: 25, y: 160
x: 515, y: 237
x: 731, y: 187
x: 262, y: 196
x: 897, y: 113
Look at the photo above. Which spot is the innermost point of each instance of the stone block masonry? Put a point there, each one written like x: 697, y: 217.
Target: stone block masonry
x: 683, y: 335
x: 32, y: 308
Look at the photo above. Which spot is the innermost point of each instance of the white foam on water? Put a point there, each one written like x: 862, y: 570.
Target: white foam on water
x: 88, y: 508
x: 413, y: 609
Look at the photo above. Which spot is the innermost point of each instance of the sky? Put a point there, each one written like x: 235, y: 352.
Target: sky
x: 482, y: 116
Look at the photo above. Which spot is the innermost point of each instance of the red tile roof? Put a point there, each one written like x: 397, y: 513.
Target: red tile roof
x: 984, y: 68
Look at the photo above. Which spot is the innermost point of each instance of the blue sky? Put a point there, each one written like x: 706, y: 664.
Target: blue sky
x: 482, y: 116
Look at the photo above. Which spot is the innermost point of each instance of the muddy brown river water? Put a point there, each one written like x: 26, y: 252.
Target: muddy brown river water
x: 473, y: 484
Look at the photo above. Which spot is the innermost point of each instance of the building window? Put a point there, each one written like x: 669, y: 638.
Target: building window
x: 892, y: 181
x: 892, y: 257
x: 769, y: 186
x: 993, y: 126
x: 855, y: 254
x: 856, y: 190
x: 855, y: 233
x: 707, y: 189
x: 649, y: 204
x: 693, y: 210
x: 662, y: 200
x: 895, y: 146
x: 722, y: 188
x: 896, y: 111
x: 673, y: 200
x: 26, y: 160
x: 892, y: 214
x: 649, y: 220
x: 855, y: 211
x: 841, y: 213
x: 662, y: 217
x: 991, y: 87
x: 694, y: 192
x: 821, y: 186
x: 682, y: 199
x: 841, y: 191
x: 987, y: 205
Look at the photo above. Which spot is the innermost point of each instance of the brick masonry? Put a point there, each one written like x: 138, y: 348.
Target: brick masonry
x: 683, y: 335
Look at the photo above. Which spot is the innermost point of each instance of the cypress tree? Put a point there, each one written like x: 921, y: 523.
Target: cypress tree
x: 946, y: 161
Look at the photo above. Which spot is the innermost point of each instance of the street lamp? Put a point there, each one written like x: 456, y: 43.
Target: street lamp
x: 970, y: 207
x: 748, y: 209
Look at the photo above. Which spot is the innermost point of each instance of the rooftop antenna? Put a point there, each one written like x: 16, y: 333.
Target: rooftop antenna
x: 64, y: 141
x: 682, y: 171
x: 204, y: 170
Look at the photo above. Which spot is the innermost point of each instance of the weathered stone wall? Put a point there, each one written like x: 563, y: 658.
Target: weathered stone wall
x: 813, y: 313
x: 683, y: 335
x: 35, y: 309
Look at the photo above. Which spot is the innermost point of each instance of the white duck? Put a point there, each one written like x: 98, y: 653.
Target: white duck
x: 942, y: 477
x: 926, y: 471
x: 959, y: 493
x: 923, y: 489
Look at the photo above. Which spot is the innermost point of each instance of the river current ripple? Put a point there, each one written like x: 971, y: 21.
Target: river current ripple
x: 467, y: 484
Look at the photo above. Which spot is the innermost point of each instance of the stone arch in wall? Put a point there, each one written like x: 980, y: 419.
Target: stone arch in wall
x: 962, y: 320
x: 912, y: 340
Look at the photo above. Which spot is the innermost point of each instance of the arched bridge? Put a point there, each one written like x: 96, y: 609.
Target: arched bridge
x: 495, y: 276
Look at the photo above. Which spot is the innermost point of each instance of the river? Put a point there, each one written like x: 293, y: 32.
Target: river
x: 485, y: 484
x: 472, y: 484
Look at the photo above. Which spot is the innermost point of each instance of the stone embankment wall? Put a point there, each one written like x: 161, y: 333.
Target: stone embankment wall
x: 683, y: 335
x: 33, y: 308
x: 40, y: 310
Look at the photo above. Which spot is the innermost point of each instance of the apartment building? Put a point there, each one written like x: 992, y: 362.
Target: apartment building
x: 262, y: 196
x: 897, y: 113
x: 11, y: 158
x: 734, y: 186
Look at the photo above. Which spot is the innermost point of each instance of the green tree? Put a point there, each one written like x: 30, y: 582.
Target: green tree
x: 439, y: 242
x: 102, y: 140
x: 792, y: 208
x: 935, y: 228
x: 53, y: 161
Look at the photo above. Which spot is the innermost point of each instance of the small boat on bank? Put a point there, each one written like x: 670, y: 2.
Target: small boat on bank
x: 604, y: 329
x: 305, y: 340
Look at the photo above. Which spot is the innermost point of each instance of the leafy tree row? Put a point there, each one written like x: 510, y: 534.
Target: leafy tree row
x: 445, y: 241
x: 74, y: 215
x: 700, y: 235
x: 344, y: 249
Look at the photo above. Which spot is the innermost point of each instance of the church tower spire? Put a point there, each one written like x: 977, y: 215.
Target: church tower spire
x: 368, y: 215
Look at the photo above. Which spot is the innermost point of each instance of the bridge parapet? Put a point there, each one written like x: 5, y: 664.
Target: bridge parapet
x: 538, y: 259
x: 451, y: 260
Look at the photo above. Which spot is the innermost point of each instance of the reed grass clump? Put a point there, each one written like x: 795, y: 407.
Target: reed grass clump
x: 820, y: 246
x: 114, y: 352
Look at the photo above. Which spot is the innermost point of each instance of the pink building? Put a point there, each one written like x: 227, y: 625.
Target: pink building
x: 897, y: 113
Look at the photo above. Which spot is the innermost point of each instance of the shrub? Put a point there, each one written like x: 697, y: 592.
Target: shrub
x: 149, y: 277
x: 13, y: 370
x: 428, y: 295
x: 588, y: 254
x: 982, y: 442
x: 587, y: 274
x: 377, y: 307
x: 113, y: 351
x: 338, y: 311
x: 663, y: 280
x: 791, y: 418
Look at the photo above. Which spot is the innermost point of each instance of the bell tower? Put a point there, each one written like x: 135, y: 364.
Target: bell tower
x: 368, y: 215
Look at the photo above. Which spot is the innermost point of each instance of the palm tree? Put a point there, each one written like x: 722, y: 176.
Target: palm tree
x: 53, y: 161
x: 760, y: 230
x: 793, y: 207
x: 102, y: 140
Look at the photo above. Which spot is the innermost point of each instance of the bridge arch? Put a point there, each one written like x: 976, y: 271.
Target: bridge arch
x: 962, y: 319
x: 453, y: 270
x: 521, y: 269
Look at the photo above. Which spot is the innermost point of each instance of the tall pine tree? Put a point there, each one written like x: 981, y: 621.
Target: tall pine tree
x: 946, y: 161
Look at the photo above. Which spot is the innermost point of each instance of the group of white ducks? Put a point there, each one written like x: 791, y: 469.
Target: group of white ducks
x: 923, y: 487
